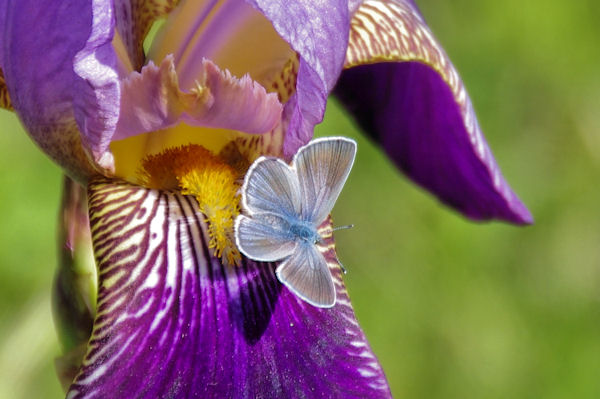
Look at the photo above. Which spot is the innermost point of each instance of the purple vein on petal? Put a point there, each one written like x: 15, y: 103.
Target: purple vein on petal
x: 174, y: 322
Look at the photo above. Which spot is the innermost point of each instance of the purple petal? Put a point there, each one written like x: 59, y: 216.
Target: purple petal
x: 97, y: 89
x: 57, y: 65
x: 318, y: 31
x: 174, y: 322
x: 419, y: 111
x: 151, y: 100
x: 3, y: 23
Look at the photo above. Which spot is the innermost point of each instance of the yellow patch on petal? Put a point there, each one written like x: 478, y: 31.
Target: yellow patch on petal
x: 194, y: 170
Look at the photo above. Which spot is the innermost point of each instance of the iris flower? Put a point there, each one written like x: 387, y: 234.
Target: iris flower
x: 157, y: 134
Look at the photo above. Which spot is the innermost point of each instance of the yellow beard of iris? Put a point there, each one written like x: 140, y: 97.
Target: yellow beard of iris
x: 193, y: 170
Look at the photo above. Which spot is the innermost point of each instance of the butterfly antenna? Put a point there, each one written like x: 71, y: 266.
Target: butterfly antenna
x: 348, y: 226
x: 331, y: 230
x: 341, y: 265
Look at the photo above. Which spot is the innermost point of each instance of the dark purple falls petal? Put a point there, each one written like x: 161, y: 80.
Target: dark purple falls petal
x: 174, y: 322
x: 419, y: 126
x: 405, y: 93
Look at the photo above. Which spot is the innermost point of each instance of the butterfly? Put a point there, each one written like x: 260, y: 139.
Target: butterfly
x: 284, y: 206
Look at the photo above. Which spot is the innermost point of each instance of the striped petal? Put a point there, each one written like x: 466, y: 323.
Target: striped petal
x: 174, y: 322
x: 405, y: 92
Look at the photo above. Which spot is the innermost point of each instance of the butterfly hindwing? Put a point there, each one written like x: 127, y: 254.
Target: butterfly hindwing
x: 306, y: 274
x: 265, y: 237
x: 322, y: 167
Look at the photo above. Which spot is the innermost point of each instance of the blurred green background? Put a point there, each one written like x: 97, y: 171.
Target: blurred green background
x: 453, y: 309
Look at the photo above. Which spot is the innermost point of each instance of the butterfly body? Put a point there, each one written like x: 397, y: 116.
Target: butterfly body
x: 284, y: 207
x: 305, y: 232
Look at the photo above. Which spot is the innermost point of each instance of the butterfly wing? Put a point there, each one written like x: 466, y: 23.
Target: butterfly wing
x: 264, y: 237
x: 271, y: 186
x: 307, y: 275
x: 323, y: 166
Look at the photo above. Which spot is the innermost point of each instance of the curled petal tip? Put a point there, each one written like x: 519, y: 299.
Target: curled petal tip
x: 106, y: 163
x: 521, y: 215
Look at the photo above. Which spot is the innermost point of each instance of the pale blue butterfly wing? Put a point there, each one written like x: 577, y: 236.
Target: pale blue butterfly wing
x: 271, y: 197
x: 270, y: 186
x: 323, y: 166
x: 264, y: 236
x: 286, y: 205
x: 307, y: 275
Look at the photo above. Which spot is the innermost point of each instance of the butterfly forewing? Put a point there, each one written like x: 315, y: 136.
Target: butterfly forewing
x: 323, y: 166
x: 271, y: 186
x: 265, y: 237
